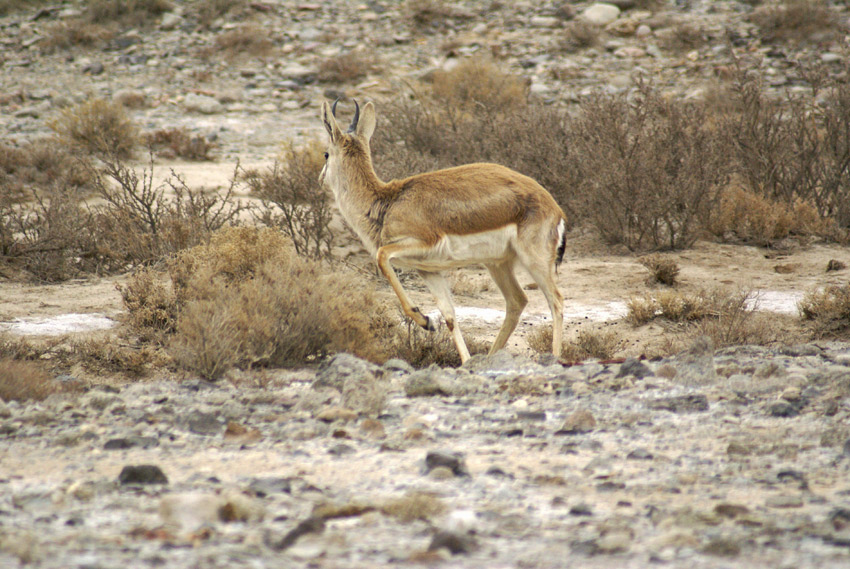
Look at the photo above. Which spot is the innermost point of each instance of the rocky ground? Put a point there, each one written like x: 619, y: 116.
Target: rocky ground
x: 736, y: 458
x: 733, y: 458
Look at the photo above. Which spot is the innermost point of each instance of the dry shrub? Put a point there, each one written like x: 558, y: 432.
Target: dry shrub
x: 138, y: 223
x: 662, y: 269
x: 647, y: 170
x: 129, y: 13
x: 247, y: 39
x: 346, y: 67
x: 178, y: 143
x: 247, y: 299
x: 682, y: 36
x: 37, y: 166
x: 151, y: 305
x: 733, y: 321
x: 414, y: 506
x: 587, y: 344
x: 293, y: 201
x: 580, y: 35
x: 74, y: 32
x: 24, y: 381
x: 796, y: 20
x: 828, y: 309
x: 796, y: 148
x: 98, y: 127
x: 11, y: 6
x: 209, y: 11
x: 478, y: 81
x: 103, y: 356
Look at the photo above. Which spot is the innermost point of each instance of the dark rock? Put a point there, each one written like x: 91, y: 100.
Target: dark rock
x: 633, y: 366
x: 731, y: 510
x: 681, y: 404
x: 835, y: 265
x: 263, y: 487
x: 451, y: 460
x: 499, y: 473
x: 783, y: 409
x: 310, y: 525
x: 204, y: 423
x: 790, y: 475
x: 130, y: 442
x: 531, y: 415
x: 722, y: 547
x: 581, y: 510
x: 845, y: 450
x: 142, y: 474
x: 455, y: 542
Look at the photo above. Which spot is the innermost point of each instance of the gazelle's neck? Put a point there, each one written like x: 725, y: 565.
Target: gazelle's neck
x: 359, y: 192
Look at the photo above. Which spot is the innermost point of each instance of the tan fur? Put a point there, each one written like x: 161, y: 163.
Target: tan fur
x: 473, y: 214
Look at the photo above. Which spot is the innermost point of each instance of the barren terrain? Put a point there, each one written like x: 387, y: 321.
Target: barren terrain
x: 688, y: 458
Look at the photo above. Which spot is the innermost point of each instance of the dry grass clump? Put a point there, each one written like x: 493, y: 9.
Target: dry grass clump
x: 247, y: 299
x: 753, y: 218
x: 425, y: 15
x: 346, y: 67
x: 478, y: 81
x: 179, y: 143
x: 414, y: 506
x: 24, y: 381
x: 580, y: 35
x: 588, y: 344
x: 207, y: 12
x: 11, y: 6
x: 795, y: 20
x: 130, y: 13
x: 151, y: 305
x: 662, y: 269
x: 828, y: 309
x: 248, y: 39
x: 293, y: 201
x: 682, y: 36
x: 98, y: 127
x: 421, y: 348
x: 105, y: 356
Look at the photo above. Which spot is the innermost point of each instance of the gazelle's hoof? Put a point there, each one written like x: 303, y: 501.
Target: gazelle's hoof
x: 429, y: 324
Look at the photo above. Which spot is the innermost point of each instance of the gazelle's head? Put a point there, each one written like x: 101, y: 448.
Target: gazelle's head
x: 347, y: 147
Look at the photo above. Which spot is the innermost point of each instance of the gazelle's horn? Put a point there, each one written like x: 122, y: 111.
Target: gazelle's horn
x: 356, y: 118
x: 333, y: 108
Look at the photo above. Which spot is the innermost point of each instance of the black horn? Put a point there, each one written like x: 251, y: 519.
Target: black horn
x: 356, y: 118
x: 333, y: 108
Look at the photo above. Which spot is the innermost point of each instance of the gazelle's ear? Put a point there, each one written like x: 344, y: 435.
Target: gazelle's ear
x: 366, y: 124
x: 330, y: 123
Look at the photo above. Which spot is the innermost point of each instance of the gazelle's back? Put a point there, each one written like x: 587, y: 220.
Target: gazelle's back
x: 463, y: 200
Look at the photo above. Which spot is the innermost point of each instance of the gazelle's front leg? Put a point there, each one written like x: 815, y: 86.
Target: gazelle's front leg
x: 383, y: 256
x: 439, y: 287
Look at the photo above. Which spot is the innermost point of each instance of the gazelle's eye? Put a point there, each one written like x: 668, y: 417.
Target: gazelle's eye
x: 326, y: 155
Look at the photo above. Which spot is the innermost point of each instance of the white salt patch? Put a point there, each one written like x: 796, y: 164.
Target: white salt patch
x: 594, y: 313
x: 58, y: 325
x: 775, y: 301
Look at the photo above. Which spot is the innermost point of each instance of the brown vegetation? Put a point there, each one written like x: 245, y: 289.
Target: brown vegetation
x: 795, y: 20
x: 98, y: 127
x: 588, y: 344
x: 178, y: 143
x: 662, y: 269
x: 346, y: 67
x: 24, y: 381
x: 828, y: 309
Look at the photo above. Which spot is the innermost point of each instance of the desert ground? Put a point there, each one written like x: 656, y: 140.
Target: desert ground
x: 671, y: 453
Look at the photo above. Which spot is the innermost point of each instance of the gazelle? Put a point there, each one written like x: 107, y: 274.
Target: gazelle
x: 475, y: 214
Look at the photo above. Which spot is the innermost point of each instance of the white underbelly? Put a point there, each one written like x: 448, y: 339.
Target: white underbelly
x: 461, y: 250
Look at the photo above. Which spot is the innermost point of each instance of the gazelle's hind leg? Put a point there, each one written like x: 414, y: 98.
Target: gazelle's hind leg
x: 439, y: 287
x: 542, y: 269
x: 515, y: 300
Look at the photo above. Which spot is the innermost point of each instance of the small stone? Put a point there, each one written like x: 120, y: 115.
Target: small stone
x: 123, y: 443
x: 580, y: 510
x: 455, y: 542
x: 633, y: 366
x: 784, y: 501
x: 643, y: 31
x: 262, y: 487
x: 203, y: 104
x: 579, y: 421
x: 600, y: 14
x: 308, y: 526
x: 341, y: 450
x: 731, y: 511
x: 451, y: 460
x: 203, y: 423
x: 236, y: 432
x: 783, y: 409
x: 722, y: 547
x: 142, y: 474
x: 681, y: 404
x: 614, y: 542
x: 835, y: 265
x: 640, y: 454
x: 333, y: 414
